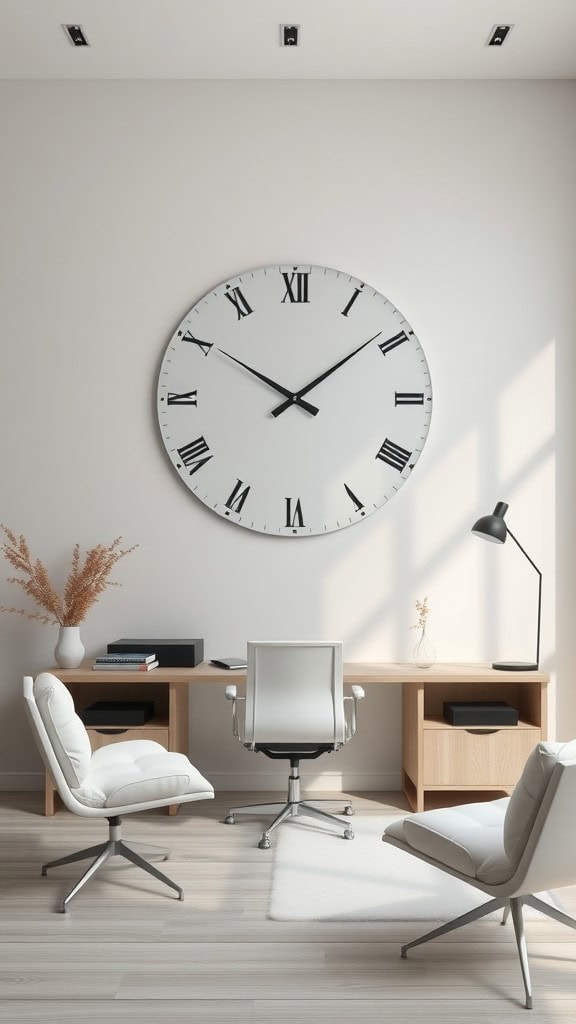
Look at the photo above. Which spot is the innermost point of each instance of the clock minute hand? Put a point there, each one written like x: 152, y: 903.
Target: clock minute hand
x: 297, y: 396
x: 293, y: 399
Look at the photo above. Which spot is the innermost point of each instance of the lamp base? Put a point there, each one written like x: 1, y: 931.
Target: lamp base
x: 515, y: 666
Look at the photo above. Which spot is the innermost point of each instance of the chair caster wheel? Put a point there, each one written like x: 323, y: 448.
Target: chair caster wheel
x: 230, y: 820
x: 63, y: 908
x: 349, y: 811
x: 44, y: 872
x: 264, y: 843
x: 348, y: 834
x: 181, y: 897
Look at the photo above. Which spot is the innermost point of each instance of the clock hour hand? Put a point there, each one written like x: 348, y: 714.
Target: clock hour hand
x: 293, y: 399
x: 297, y: 396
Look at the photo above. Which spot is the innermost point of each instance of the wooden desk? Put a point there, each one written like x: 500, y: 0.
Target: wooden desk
x: 436, y: 757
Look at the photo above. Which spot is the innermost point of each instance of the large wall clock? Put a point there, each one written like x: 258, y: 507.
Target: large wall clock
x: 294, y: 400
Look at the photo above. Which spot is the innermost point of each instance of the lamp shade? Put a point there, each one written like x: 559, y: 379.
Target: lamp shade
x: 493, y: 528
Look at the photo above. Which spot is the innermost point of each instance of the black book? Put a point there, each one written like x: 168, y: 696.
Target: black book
x: 229, y: 662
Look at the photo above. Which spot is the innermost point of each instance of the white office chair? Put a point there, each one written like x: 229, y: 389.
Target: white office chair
x: 117, y: 779
x: 509, y: 848
x: 294, y: 708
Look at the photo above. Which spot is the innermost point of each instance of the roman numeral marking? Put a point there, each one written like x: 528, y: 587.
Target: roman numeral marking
x: 358, y: 506
x: 301, y: 294
x: 357, y: 292
x: 238, y: 497
x: 239, y: 302
x: 408, y: 398
x: 186, y: 398
x: 394, y: 455
x: 294, y: 518
x: 387, y: 346
x: 204, y: 346
x: 191, y: 454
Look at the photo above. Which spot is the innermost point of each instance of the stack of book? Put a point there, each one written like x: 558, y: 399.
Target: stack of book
x: 125, y: 662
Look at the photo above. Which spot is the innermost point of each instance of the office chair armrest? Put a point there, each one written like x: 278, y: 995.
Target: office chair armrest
x: 232, y: 694
x: 357, y: 694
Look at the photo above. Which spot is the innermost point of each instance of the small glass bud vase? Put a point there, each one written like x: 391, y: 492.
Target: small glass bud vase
x: 69, y: 651
x: 424, y: 653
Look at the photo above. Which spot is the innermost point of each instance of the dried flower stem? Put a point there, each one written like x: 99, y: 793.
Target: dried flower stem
x: 423, y: 613
x: 86, y: 580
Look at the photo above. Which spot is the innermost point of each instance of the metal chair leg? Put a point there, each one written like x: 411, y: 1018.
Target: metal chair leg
x: 106, y: 853
x: 505, y: 913
x: 91, y: 851
x: 253, y: 809
x: 146, y: 849
x: 135, y: 858
x: 554, y: 912
x: 458, y: 922
x: 314, y: 812
x: 516, y: 908
x: 286, y: 812
x: 348, y: 810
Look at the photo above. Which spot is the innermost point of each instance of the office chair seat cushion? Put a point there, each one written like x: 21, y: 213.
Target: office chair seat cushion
x: 66, y: 732
x: 467, y: 838
x: 529, y: 792
x: 138, y: 772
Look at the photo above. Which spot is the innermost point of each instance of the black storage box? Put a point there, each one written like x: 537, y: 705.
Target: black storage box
x: 170, y: 653
x: 118, y: 712
x: 473, y: 712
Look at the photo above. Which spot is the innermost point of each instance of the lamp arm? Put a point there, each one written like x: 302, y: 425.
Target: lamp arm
x: 525, y: 553
x: 534, y: 566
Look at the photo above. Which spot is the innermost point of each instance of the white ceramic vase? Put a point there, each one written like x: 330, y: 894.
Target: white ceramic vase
x: 69, y: 651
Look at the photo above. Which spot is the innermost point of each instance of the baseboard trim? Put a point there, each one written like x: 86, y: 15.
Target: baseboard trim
x: 19, y: 782
x: 326, y: 782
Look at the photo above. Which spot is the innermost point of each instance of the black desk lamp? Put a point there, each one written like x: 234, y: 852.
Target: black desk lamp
x: 494, y: 529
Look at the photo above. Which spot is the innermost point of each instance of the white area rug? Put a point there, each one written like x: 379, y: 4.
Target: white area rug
x: 318, y: 876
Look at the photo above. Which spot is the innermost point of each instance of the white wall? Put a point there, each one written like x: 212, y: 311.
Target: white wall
x: 123, y: 202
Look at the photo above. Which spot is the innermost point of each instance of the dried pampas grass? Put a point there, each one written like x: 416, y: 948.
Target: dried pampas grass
x: 87, y: 579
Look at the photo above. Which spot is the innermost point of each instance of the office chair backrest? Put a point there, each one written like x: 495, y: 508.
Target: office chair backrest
x: 529, y: 793
x: 294, y: 692
x: 60, y: 734
x: 548, y: 859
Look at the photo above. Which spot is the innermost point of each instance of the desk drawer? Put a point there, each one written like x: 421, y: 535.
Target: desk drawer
x: 458, y: 757
x: 118, y: 734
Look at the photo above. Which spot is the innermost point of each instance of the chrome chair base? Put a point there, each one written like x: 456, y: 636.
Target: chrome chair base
x: 513, y: 906
x: 115, y: 847
x: 294, y: 807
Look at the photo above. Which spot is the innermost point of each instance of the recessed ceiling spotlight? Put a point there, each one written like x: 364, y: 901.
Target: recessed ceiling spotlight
x: 76, y: 35
x: 289, y: 35
x: 498, y: 34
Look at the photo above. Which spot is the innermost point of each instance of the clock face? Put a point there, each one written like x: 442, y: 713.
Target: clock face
x: 294, y: 400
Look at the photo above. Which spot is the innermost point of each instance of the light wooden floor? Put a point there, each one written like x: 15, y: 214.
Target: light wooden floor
x: 127, y: 951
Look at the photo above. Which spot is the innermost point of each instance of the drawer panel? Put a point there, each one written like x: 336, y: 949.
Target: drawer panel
x: 456, y: 757
x: 118, y: 734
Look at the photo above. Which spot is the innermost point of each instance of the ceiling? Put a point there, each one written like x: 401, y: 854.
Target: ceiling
x: 340, y: 39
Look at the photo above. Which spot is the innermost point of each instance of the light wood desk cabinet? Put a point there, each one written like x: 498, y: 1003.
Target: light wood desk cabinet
x: 440, y: 762
x: 444, y: 762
